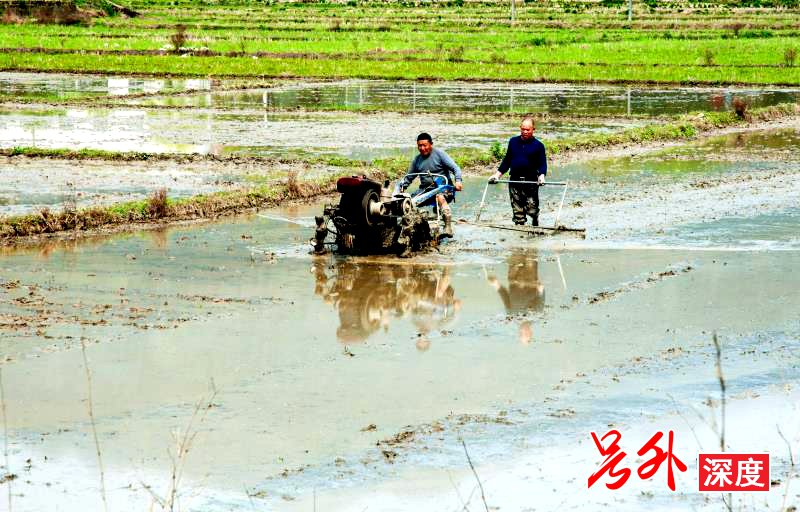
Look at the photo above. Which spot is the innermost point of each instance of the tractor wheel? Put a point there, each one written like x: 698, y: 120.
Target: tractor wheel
x: 370, y: 196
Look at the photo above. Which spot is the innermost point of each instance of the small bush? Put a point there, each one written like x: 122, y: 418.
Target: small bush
x: 539, y: 41
x: 456, y: 54
x: 708, y: 57
x: 179, y: 38
x: 496, y: 58
x: 740, y: 106
x: 497, y: 151
x: 789, y: 56
x: 157, y: 204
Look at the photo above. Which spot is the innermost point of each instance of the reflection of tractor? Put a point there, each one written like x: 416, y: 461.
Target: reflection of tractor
x: 372, y: 219
x: 423, y: 294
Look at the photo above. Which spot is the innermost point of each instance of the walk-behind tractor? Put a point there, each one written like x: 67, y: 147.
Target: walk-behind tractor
x: 373, y: 219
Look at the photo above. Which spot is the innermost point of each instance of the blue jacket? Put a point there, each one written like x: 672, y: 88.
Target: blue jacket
x: 526, y: 159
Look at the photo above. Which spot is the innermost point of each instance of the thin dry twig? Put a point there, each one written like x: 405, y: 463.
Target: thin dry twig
x: 790, y: 473
x: 5, y: 436
x: 183, y: 443
x: 458, y: 493
x: 721, y: 378
x: 472, y: 467
x: 788, y: 445
x: 94, y: 426
x: 685, y: 420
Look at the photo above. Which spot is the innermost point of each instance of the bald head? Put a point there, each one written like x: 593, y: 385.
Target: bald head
x: 527, y: 127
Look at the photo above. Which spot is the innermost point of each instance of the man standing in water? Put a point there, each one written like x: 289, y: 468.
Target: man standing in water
x: 526, y: 159
x: 435, y: 161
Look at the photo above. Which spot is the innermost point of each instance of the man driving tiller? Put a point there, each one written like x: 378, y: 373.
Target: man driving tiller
x: 429, y: 162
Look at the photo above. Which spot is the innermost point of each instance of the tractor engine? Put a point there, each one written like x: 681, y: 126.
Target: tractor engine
x: 370, y: 219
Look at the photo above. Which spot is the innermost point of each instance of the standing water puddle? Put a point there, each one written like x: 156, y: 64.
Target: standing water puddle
x: 561, y: 99
x: 52, y: 85
x: 358, y: 136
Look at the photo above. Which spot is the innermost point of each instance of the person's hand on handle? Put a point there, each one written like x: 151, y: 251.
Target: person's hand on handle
x: 494, y: 177
x: 459, y: 186
x: 541, y: 179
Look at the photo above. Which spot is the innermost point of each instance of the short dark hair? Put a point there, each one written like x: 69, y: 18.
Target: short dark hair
x: 425, y: 136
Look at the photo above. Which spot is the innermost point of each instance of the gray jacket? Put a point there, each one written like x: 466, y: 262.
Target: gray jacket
x: 438, y: 162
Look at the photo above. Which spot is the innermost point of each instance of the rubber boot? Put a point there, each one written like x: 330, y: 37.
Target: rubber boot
x: 535, y: 220
x: 447, y: 232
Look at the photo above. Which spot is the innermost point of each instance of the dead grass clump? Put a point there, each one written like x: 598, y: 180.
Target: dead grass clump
x: 179, y: 38
x: 11, y: 17
x: 740, y: 107
x: 63, y: 14
x: 456, y: 54
x: 50, y: 221
x: 157, y: 206
x: 789, y: 57
x: 708, y: 57
x: 293, y: 187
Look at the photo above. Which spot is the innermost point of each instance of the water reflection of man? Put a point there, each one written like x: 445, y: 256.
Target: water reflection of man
x: 368, y: 297
x: 524, y: 293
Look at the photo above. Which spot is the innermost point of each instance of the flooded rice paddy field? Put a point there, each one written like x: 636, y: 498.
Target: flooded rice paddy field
x: 330, y: 383
x: 565, y: 99
x: 207, y: 117
x: 562, y: 99
x: 68, y: 86
x: 262, y: 133
x: 518, y: 347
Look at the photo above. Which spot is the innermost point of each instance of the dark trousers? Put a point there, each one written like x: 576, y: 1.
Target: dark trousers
x: 524, y: 202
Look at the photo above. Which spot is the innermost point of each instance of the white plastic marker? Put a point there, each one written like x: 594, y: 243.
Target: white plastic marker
x: 284, y: 219
x: 558, y: 215
x: 486, y: 189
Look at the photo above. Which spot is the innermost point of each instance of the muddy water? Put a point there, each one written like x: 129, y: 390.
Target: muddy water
x: 54, y: 85
x: 360, y: 136
x: 509, y: 343
x: 561, y: 99
x: 28, y: 185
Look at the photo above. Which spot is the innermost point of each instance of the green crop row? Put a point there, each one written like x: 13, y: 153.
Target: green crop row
x: 359, y: 68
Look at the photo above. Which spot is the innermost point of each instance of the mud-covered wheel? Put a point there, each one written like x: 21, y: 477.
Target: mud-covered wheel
x: 370, y: 196
x: 406, y: 206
